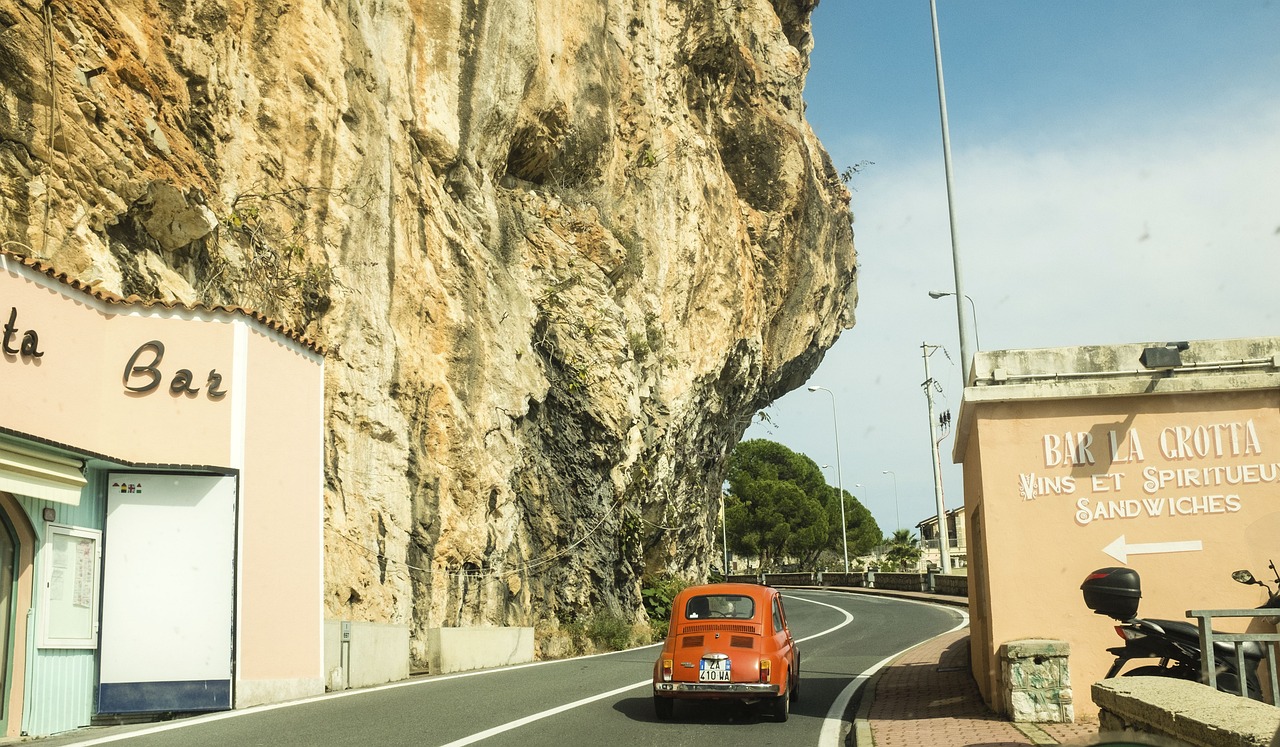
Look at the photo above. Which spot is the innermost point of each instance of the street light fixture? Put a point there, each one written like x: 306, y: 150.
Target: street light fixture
x: 897, y: 516
x: 844, y: 527
x: 972, y: 307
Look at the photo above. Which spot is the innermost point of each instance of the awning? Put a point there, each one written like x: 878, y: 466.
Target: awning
x: 41, y: 476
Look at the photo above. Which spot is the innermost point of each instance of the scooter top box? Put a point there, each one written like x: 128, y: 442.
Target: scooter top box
x: 1113, y: 592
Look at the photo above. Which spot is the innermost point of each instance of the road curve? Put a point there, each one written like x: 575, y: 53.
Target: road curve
x: 603, y: 699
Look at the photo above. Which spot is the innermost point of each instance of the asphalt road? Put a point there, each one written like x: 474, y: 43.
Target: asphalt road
x: 599, y: 700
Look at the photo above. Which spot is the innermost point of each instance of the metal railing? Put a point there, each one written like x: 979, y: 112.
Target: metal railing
x: 1209, y: 636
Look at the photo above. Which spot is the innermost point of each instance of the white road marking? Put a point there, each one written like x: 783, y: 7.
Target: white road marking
x: 848, y: 618
x: 544, y: 714
x: 194, y: 720
x: 833, y: 725
x: 830, y: 729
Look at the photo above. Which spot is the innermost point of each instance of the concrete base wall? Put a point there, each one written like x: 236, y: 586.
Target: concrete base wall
x: 461, y: 649
x: 372, y: 654
x: 258, y: 692
x: 1189, y: 712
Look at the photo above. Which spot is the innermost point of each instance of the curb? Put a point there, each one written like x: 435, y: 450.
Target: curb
x: 860, y: 735
x: 861, y: 732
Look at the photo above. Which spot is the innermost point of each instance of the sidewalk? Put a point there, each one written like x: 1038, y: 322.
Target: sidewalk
x: 928, y: 696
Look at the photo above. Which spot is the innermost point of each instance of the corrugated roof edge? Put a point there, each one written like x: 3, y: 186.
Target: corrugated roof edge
x: 135, y: 300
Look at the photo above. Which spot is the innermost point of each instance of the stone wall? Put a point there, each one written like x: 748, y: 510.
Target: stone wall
x: 1190, y: 712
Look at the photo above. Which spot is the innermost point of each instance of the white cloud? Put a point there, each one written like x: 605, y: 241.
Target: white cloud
x: 1125, y: 234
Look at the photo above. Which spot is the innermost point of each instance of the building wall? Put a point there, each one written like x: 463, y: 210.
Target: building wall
x: 1043, y: 510
x: 78, y: 398
x: 75, y: 394
x: 280, y: 647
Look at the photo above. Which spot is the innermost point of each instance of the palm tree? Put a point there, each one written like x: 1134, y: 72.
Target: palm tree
x: 904, y: 549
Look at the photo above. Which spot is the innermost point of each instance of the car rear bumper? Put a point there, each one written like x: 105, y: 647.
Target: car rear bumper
x: 715, y: 689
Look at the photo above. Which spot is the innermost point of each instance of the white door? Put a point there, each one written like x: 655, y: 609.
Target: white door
x: 168, y: 596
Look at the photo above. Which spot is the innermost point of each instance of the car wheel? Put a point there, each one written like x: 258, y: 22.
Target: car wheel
x: 795, y: 683
x: 781, y: 707
x: 664, y: 707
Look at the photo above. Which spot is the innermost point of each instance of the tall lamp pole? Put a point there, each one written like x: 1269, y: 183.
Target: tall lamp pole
x: 835, y: 426
x: 897, y: 516
x: 966, y: 335
x: 944, y: 540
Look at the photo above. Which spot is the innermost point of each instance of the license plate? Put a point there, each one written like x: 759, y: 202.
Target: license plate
x: 713, y: 670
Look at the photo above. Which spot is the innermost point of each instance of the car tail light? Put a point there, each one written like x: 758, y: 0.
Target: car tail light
x: 666, y: 670
x: 765, y: 665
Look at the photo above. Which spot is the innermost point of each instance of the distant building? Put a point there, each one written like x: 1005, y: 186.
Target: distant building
x: 930, y: 555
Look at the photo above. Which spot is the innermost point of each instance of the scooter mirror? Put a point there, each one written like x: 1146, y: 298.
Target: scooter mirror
x: 1244, y: 577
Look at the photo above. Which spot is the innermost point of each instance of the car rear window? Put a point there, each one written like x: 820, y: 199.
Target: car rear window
x: 732, y: 606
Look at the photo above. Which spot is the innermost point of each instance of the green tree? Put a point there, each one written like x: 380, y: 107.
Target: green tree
x: 860, y: 526
x: 780, y: 506
x: 904, y: 549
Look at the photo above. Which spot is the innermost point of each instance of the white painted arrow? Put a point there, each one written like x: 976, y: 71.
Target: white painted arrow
x: 1121, y: 550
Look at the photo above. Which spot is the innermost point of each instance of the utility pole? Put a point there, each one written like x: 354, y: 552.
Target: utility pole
x: 944, y: 539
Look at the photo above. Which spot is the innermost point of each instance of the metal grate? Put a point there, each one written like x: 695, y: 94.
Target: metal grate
x: 724, y: 627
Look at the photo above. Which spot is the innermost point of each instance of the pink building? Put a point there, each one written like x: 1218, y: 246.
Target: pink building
x: 1163, y: 459
x: 161, y: 506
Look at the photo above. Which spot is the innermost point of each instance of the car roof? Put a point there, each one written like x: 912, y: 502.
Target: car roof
x: 747, y: 590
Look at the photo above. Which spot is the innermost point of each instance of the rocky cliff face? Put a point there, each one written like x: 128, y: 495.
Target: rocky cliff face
x: 559, y: 251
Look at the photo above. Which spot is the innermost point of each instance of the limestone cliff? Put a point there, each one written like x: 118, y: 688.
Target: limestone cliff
x: 558, y: 251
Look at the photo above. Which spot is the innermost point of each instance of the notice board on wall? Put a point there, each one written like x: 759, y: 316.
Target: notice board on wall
x: 168, y: 599
x: 69, y: 594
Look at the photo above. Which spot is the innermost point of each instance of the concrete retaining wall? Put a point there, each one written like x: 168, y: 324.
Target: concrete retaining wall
x: 361, y: 654
x: 1186, y: 711
x: 461, y: 649
x: 932, y: 582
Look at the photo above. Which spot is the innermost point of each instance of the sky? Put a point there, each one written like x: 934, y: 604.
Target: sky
x: 1116, y: 179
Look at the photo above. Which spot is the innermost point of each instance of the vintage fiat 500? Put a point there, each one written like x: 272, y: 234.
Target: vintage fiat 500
x: 728, y: 641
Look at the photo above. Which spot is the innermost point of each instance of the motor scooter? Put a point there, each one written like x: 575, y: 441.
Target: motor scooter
x: 1115, y: 592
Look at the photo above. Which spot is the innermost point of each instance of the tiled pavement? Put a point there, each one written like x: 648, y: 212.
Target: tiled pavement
x: 928, y: 696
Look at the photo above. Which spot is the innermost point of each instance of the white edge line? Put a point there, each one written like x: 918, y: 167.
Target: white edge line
x: 833, y: 725
x: 478, y: 736
x: 195, y: 720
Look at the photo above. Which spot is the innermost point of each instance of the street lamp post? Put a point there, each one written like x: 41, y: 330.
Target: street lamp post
x: 966, y: 349
x: 835, y: 426
x: 896, y: 515
x: 972, y: 308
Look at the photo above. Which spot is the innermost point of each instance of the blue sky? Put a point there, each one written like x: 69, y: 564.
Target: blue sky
x: 1116, y: 179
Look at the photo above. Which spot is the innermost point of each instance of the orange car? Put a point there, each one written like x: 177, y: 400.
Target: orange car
x: 728, y: 641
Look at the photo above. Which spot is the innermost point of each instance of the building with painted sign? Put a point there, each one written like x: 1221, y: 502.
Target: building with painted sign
x: 1164, y: 459
x: 161, y: 506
